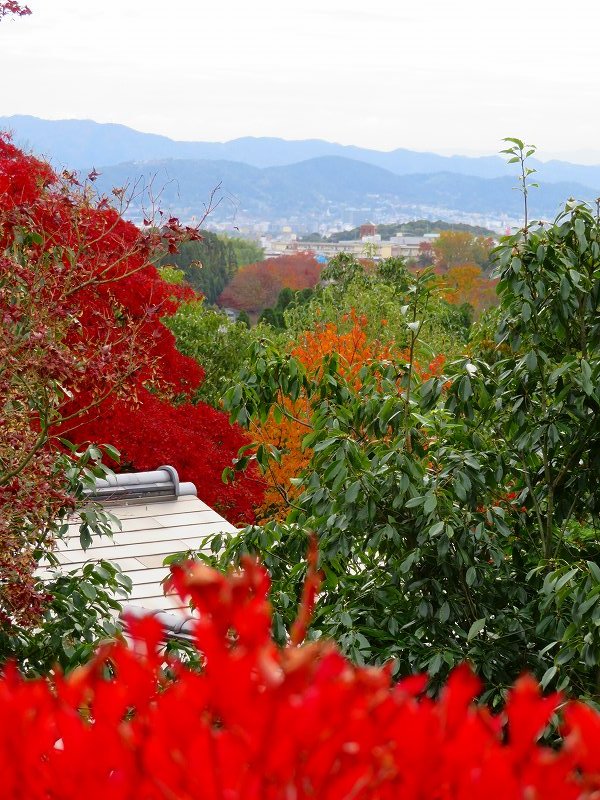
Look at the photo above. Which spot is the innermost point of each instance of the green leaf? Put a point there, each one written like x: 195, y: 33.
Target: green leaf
x: 548, y: 675
x: 112, y: 452
x: 430, y: 503
x: 476, y: 628
x: 434, y: 664
x: 415, y: 501
x: 88, y: 590
x: 353, y: 491
x: 531, y: 361
x: 408, y: 562
x: 346, y: 619
x: 565, y: 579
x: 436, y: 529
x: 464, y: 388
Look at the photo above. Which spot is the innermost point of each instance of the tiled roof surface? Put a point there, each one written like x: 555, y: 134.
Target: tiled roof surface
x: 150, y: 531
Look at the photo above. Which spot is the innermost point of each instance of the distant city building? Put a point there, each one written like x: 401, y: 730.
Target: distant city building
x: 373, y: 246
x: 367, y: 229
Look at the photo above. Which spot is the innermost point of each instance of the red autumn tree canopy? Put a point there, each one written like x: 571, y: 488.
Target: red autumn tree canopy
x: 257, y: 286
x: 84, y: 354
x: 266, y: 723
x: 12, y: 7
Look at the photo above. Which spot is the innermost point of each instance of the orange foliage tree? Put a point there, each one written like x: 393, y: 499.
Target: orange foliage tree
x: 257, y: 286
x: 354, y: 350
x: 453, y: 248
x: 466, y: 283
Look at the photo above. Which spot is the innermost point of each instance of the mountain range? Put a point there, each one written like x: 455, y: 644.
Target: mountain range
x: 275, y: 179
x: 324, y: 187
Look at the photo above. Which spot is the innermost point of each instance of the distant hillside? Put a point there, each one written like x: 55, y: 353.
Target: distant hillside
x: 81, y: 143
x: 418, y: 227
x: 323, y: 187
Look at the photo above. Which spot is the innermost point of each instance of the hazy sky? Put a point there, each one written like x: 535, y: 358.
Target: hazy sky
x: 426, y: 74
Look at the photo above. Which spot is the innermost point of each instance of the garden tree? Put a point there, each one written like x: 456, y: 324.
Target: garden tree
x: 287, y: 298
x: 466, y: 284
x: 246, y: 251
x: 543, y: 398
x: 257, y: 286
x: 244, y: 319
x: 268, y: 722
x: 376, y: 294
x: 425, y: 257
x: 10, y: 7
x: 209, y: 337
x: 453, y: 248
x: 42, y: 363
x: 456, y: 517
x: 207, y: 265
x: 84, y: 356
x: 286, y: 433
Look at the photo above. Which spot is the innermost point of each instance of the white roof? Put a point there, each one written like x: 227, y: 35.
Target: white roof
x: 150, y: 531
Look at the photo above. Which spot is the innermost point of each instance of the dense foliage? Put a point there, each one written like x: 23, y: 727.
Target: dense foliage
x: 353, y: 350
x: 262, y: 722
x: 221, y: 345
x: 457, y: 516
x: 257, y: 286
x: 85, y: 357
x: 378, y: 293
x: 275, y: 316
x: 210, y: 264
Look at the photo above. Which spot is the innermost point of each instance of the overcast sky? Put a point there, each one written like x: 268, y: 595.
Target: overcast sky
x: 427, y: 74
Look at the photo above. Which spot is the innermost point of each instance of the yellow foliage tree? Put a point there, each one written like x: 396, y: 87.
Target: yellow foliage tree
x: 466, y: 283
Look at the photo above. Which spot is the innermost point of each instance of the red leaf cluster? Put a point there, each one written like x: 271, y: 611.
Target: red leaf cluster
x: 257, y: 286
x: 12, y: 7
x: 84, y: 355
x: 266, y: 723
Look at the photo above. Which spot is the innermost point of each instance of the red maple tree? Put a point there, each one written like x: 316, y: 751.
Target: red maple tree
x: 85, y: 356
x: 12, y: 7
x: 257, y: 286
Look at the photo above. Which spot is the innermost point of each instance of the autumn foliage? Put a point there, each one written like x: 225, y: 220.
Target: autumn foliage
x: 12, y: 7
x: 453, y: 248
x: 354, y: 349
x: 84, y: 356
x: 261, y: 722
x: 257, y: 286
x: 466, y: 283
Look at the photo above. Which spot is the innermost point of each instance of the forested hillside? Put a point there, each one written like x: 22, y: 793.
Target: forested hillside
x: 314, y: 186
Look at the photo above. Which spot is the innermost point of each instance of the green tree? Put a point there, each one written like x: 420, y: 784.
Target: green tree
x: 246, y: 251
x: 207, y: 265
x: 221, y: 346
x: 288, y: 298
x: 380, y: 295
x: 456, y: 517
